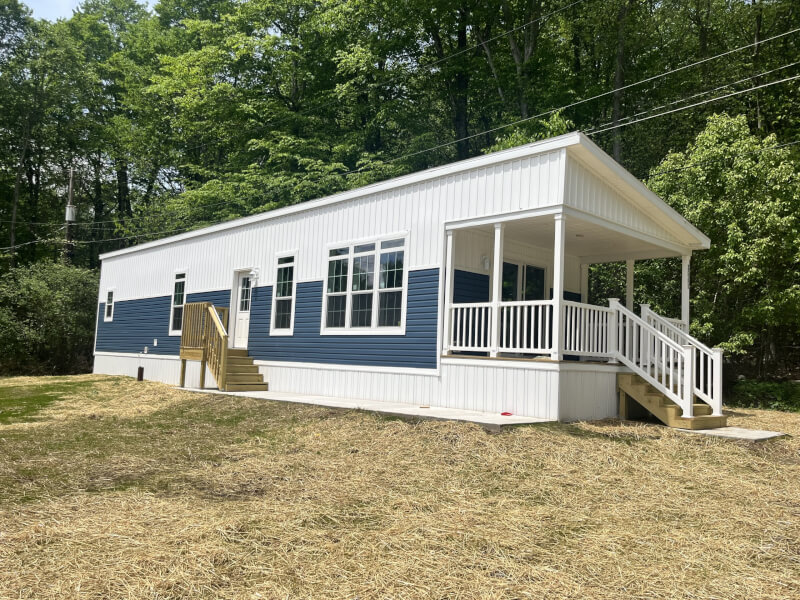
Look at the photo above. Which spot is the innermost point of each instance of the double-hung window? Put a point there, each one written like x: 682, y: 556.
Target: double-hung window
x: 365, y: 288
x: 109, y: 314
x: 178, y: 300
x: 284, y: 297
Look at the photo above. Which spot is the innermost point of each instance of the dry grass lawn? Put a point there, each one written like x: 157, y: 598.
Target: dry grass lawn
x: 113, y: 489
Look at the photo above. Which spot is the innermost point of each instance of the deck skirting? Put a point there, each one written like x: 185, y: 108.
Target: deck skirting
x: 564, y: 391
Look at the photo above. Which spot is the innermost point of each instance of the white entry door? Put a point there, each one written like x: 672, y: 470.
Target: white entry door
x: 241, y: 322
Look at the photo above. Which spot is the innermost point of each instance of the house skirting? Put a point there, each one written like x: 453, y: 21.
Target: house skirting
x: 563, y: 391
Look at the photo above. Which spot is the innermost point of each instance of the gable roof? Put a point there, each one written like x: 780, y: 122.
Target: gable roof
x: 578, y: 144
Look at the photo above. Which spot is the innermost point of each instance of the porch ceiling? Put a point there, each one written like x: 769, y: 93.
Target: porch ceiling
x: 595, y: 242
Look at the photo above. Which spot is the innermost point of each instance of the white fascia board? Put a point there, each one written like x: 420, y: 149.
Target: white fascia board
x: 683, y: 226
x: 461, y: 166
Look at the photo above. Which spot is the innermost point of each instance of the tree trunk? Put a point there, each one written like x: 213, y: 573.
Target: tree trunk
x: 17, y: 184
x: 619, y: 80
x: 756, y: 55
x: 460, y: 86
x: 123, y: 193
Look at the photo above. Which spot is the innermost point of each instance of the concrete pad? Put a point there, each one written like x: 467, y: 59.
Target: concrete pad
x: 493, y: 421
x: 738, y: 433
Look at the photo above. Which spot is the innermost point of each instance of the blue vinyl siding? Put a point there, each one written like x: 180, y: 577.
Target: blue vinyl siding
x: 137, y: 322
x: 470, y: 287
x: 417, y: 348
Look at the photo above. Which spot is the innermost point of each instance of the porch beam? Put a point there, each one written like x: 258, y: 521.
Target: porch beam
x: 685, y: 261
x: 497, y: 285
x: 629, y: 284
x: 559, y: 242
x: 447, y: 335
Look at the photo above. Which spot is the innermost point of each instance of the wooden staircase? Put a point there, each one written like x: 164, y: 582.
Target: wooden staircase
x: 664, y: 409
x: 242, y: 374
x: 205, y: 338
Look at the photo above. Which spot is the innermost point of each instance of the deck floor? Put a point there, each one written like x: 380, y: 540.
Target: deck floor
x: 494, y: 421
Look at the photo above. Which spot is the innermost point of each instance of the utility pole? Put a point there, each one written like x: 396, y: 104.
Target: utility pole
x: 69, y: 247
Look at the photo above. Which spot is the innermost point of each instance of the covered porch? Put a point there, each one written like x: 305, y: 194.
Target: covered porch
x: 517, y: 286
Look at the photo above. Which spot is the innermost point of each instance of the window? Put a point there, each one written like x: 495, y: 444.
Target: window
x: 365, y: 287
x: 109, y: 314
x: 178, y: 300
x: 245, y: 293
x: 283, y: 297
x: 338, y: 261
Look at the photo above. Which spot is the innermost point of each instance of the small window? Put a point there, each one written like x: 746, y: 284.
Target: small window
x: 390, y: 295
x: 109, y: 314
x: 245, y: 294
x: 337, y: 289
x: 283, y: 303
x: 178, y: 300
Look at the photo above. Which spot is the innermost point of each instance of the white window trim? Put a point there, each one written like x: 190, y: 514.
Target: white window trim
x: 172, y: 299
x: 374, y: 329
x: 106, y: 318
x: 290, y: 331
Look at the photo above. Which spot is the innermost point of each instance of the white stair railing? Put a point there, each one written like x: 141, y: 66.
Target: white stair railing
x: 707, y: 384
x: 659, y: 360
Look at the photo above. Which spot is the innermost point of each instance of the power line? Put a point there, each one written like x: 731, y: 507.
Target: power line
x: 716, y: 160
x: 696, y: 104
x: 705, y: 93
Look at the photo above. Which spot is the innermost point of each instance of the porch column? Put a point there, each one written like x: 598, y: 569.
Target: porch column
x: 629, y: 284
x: 685, y: 260
x: 584, y: 283
x: 559, y: 240
x: 447, y: 336
x: 497, y: 286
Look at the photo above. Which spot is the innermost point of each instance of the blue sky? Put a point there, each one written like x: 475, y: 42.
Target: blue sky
x: 53, y: 9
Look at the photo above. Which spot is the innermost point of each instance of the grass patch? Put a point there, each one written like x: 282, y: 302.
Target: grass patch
x: 22, y: 403
x: 137, y: 490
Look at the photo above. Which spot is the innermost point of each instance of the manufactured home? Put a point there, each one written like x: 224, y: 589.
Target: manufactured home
x: 462, y: 286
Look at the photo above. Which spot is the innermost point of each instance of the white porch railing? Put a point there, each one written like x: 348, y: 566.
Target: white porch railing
x: 526, y: 327
x: 471, y: 327
x: 586, y: 329
x: 654, y: 347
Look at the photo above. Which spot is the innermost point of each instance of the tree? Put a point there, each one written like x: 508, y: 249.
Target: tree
x: 744, y: 193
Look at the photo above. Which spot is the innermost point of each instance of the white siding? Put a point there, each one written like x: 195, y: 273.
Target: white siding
x: 586, y: 191
x: 421, y: 209
x: 587, y: 392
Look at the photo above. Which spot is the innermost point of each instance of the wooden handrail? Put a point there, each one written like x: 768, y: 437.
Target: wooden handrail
x: 205, y: 338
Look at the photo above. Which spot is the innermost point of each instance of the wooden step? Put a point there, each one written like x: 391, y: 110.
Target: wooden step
x: 664, y: 409
x: 242, y: 368
x: 237, y: 352
x: 240, y: 360
x: 245, y: 378
x: 247, y: 387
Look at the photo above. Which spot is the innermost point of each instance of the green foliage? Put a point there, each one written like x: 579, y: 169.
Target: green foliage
x: 47, y: 319
x: 198, y: 111
x: 748, y: 393
x: 744, y: 193
x: 540, y: 129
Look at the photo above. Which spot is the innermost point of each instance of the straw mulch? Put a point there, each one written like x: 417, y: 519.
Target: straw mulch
x: 143, y: 491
